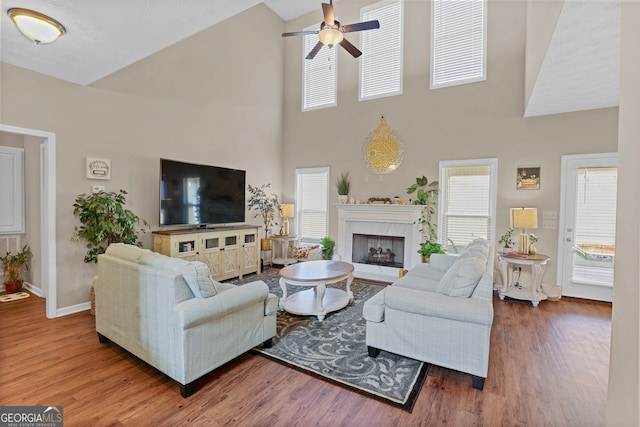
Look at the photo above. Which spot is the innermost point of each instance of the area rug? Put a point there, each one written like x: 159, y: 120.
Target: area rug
x: 335, y: 349
x: 14, y: 297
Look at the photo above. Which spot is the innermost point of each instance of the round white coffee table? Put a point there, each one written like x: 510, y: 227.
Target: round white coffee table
x: 319, y: 300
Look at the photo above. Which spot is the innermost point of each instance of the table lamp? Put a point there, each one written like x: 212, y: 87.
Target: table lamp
x: 286, y: 212
x: 525, y: 219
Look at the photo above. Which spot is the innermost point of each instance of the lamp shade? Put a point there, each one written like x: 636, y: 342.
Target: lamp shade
x: 330, y: 36
x: 286, y: 211
x: 36, y: 26
x: 525, y: 218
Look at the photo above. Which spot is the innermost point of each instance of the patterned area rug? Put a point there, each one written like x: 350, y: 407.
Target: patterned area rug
x: 335, y: 348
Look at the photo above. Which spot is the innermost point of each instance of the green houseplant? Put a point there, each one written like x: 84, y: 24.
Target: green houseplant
x: 328, y: 244
x: 12, y: 264
x: 506, y: 241
x: 428, y: 248
x: 343, y: 184
x: 103, y: 221
x: 266, y: 207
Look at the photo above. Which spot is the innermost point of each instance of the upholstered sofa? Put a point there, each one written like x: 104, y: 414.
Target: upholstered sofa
x: 440, y: 313
x: 170, y: 313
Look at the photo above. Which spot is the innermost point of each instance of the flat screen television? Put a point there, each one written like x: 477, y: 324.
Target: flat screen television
x: 192, y: 194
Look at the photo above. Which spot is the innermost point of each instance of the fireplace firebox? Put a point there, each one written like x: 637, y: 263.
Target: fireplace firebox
x: 385, y: 251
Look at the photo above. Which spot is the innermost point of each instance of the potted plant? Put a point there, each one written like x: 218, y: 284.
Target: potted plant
x: 328, y: 244
x: 267, y: 206
x: 532, y: 248
x: 12, y: 265
x: 103, y: 221
x: 428, y: 248
x: 507, y: 243
x: 343, y: 185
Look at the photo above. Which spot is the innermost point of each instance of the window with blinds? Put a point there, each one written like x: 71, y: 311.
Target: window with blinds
x: 458, y: 42
x: 312, y: 204
x: 595, y: 225
x: 467, y: 202
x: 381, y: 60
x: 319, y: 88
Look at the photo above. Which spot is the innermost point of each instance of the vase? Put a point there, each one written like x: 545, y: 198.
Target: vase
x: 532, y: 249
x: 265, y: 244
x: 12, y: 287
x: 343, y: 198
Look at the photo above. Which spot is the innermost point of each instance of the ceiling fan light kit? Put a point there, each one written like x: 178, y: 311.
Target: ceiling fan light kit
x: 332, y: 33
x: 36, y: 26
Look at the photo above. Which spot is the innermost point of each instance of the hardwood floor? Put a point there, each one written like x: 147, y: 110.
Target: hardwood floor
x: 548, y: 366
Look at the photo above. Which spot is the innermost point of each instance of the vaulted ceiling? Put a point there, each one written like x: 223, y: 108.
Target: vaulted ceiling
x: 580, y: 70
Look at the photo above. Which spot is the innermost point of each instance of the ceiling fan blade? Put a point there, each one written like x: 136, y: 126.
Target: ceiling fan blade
x: 361, y: 26
x: 327, y: 10
x: 299, y: 33
x: 314, y: 51
x: 350, y: 48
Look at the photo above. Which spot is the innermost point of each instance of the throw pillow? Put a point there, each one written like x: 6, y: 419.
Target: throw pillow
x: 463, y: 276
x: 302, y: 252
x: 195, y: 273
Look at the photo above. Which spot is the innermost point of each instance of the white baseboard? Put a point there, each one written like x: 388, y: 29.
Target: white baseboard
x: 34, y: 290
x: 73, y: 309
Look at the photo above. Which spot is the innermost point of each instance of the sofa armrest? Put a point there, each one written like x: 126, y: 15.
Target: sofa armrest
x: 197, y: 311
x: 438, y: 305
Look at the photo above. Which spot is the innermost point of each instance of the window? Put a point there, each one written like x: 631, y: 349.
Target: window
x: 467, y: 201
x: 458, y: 42
x: 381, y: 61
x: 12, y: 213
x: 319, y: 89
x: 312, y: 207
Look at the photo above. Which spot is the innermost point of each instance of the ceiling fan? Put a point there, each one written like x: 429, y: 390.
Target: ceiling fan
x: 331, y: 32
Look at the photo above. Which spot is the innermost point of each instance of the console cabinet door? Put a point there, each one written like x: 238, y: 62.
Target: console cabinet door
x: 209, y: 253
x: 250, y: 254
x: 230, y: 254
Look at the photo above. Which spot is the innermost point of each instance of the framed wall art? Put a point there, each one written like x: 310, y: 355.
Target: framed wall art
x: 98, y: 168
x: 528, y: 178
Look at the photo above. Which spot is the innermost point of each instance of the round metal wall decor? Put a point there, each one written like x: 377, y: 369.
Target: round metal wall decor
x: 383, y: 150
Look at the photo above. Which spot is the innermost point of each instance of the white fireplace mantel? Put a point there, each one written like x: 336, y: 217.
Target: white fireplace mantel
x: 379, y: 219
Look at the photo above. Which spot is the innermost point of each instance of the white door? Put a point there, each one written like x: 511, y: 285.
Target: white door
x: 586, y: 249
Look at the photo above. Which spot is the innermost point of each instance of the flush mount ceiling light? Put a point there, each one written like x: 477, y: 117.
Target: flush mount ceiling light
x: 36, y: 26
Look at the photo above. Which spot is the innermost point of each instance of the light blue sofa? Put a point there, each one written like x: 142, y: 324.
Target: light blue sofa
x: 171, y: 314
x: 439, y: 313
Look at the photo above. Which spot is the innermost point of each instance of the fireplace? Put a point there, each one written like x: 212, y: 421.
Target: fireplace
x: 379, y: 240
x: 378, y: 250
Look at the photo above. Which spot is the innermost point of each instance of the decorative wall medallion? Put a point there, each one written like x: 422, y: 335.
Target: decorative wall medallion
x: 382, y: 150
x: 98, y: 168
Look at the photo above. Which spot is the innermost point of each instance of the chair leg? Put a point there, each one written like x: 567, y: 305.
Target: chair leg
x: 373, y: 352
x: 478, y: 382
x: 268, y: 343
x: 187, y: 390
x: 102, y: 339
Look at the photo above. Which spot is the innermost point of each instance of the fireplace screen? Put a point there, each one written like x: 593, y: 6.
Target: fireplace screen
x: 381, y: 250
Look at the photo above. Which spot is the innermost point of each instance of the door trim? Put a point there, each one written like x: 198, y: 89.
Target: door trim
x: 47, y: 213
x: 563, y: 198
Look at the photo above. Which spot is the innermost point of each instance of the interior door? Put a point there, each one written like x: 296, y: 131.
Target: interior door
x: 586, y: 250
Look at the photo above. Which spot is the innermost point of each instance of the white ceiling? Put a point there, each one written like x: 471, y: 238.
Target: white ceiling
x: 580, y: 70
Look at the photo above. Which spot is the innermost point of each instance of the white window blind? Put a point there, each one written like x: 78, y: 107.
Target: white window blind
x: 458, y: 42
x: 319, y: 89
x: 312, y: 196
x: 381, y: 60
x: 595, y: 208
x: 12, y: 213
x: 467, y: 202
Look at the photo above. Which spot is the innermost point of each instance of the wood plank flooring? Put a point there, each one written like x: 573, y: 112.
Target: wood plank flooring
x: 548, y: 367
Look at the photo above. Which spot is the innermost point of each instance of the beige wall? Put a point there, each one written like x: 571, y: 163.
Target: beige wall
x: 623, y: 401
x: 197, y: 101
x: 477, y: 120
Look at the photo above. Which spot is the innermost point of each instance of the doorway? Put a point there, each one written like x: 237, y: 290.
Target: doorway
x: 47, y: 212
x: 587, y: 241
